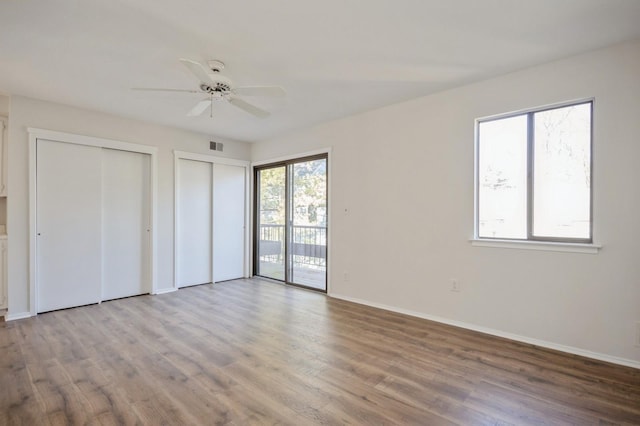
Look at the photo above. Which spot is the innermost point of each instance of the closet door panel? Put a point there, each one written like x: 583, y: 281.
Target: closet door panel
x: 228, y: 222
x: 125, y: 224
x: 194, y: 223
x: 68, y: 225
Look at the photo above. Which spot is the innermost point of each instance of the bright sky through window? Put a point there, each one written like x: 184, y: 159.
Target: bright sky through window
x: 534, y: 175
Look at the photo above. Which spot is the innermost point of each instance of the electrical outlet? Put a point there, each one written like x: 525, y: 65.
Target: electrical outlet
x: 455, y: 285
x: 637, y: 342
x: 345, y: 276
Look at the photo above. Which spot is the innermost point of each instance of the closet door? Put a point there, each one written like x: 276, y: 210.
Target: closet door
x: 194, y: 223
x: 68, y: 225
x: 125, y: 224
x: 228, y: 222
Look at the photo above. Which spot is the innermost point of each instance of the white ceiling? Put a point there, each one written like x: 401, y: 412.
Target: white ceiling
x: 333, y: 57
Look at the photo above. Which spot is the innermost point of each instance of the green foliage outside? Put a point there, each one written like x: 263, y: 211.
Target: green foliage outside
x: 309, y: 181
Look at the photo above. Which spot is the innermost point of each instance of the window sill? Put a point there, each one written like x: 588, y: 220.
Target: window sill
x: 538, y: 245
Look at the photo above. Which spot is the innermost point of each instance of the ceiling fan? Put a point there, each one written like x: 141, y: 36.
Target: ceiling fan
x: 218, y: 87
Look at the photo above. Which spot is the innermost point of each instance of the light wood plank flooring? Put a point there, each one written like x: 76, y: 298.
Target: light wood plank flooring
x: 256, y: 352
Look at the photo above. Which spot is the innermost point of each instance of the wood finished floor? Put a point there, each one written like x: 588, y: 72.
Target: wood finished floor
x: 255, y: 352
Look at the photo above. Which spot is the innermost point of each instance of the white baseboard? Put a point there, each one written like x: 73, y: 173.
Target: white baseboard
x: 494, y: 332
x: 21, y: 315
x: 165, y: 290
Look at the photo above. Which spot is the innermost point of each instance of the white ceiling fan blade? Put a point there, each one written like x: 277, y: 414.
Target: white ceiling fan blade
x: 158, y: 89
x: 273, y: 91
x: 198, y: 70
x: 199, y: 108
x: 251, y: 109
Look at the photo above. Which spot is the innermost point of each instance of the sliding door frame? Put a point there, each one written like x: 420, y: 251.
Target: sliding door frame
x: 285, y: 161
x: 36, y: 134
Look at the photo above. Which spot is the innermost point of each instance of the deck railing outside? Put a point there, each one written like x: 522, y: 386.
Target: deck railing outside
x: 308, y: 245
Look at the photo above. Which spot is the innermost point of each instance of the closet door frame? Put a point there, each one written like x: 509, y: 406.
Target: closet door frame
x: 183, y: 155
x: 34, y: 135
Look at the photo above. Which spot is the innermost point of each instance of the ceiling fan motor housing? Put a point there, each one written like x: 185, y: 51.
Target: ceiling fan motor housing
x: 218, y: 88
x: 219, y: 84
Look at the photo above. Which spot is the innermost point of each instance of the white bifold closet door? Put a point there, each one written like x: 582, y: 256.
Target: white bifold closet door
x: 195, y: 222
x: 126, y: 234
x: 210, y: 237
x: 92, y: 220
x: 228, y: 222
x: 69, y: 222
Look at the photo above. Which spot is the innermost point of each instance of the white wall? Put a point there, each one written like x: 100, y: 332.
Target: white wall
x: 4, y: 105
x: 25, y: 112
x: 405, y: 175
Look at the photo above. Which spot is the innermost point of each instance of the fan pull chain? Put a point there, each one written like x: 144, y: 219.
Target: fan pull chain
x: 211, y: 110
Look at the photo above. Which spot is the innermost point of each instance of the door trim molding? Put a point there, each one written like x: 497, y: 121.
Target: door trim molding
x: 292, y: 157
x: 213, y: 160
x: 34, y: 135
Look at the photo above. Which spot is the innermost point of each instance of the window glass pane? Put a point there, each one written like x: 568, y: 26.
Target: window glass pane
x: 562, y: 172
x: 309, y: 223
x: 502, y: 178
x: 271, y: 222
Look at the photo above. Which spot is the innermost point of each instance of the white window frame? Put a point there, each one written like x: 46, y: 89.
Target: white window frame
x: 532, y: 242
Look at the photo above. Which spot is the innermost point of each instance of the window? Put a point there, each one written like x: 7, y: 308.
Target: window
x: 534, y: 175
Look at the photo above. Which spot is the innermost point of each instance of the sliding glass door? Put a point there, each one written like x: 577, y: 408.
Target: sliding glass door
x: 308, y: 225
x: 291, y: 222
x: 271, y: 191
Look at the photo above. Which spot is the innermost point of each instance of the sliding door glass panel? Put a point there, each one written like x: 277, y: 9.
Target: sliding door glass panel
x: 271, y: 222
x: 308, y: 230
